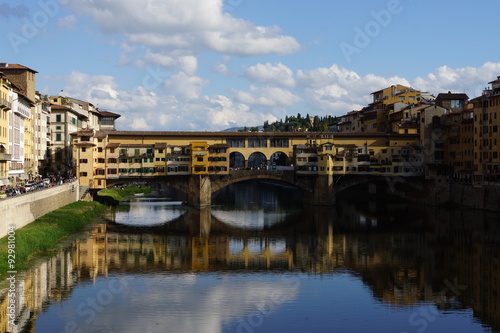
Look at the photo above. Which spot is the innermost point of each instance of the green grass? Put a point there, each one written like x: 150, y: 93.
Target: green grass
x: 44, y: 233
x: 121, y: 194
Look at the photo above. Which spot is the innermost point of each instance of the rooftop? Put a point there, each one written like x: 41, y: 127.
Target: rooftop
x: 6, y: 66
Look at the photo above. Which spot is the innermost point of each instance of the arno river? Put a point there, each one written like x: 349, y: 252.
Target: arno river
x: 259, y: 261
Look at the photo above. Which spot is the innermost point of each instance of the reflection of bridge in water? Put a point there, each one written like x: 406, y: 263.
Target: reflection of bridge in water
x: 402, y: 267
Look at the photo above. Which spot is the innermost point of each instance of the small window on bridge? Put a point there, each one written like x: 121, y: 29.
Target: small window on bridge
x: 279, y: 143
x: 236, y: 142
x: 257, y: 143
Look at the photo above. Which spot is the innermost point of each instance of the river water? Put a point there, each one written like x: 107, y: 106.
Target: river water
x: 259, y: 261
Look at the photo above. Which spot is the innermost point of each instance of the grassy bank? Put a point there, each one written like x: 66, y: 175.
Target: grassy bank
x: 43, y: 234
x: 120, y: 194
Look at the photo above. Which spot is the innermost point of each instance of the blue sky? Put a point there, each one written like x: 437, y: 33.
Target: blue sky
x: 213, y: 64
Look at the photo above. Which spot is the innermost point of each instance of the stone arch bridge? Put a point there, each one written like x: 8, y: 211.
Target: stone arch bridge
x: 317, y: 189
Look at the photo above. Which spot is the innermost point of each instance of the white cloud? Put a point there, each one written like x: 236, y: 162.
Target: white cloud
x: 178, y: 103
x: 472, y: 80
x: 278, y: 74
x: 184, y: 86
x: 221, y: 69
x: 186, y: 63
x: 267, y: 96
x: 67, y: 22
x: 185, y: 24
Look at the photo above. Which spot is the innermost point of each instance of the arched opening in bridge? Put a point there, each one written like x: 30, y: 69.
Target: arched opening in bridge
x: 266, y: 193
x: 236, y: 160
x: 257, y: 160
x: 279, y: 158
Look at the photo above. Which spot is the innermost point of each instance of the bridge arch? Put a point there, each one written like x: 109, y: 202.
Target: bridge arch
x: 257, y: 160
x: 279, y: 158
x: 286, y: 177
x: 236, y: 160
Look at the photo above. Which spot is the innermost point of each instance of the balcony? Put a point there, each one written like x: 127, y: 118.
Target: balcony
x: 5, y: 104
x: 5, y: 157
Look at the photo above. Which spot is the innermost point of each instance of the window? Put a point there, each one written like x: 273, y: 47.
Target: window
x: 83, y: 174
x: 198, y: 169
x: 58, y: 118
x: 84, y: 149
x: 112, y: 172
x: 99, y: 150
x: 99, y: 172
x: 279, y: 143
x: 58, y: 127
x: 83, y: 160
x: 236, y: 142
x: 257, y: 143
x: 112, y: 160
x: 58, y: 136
x: 160, y: 151
x: 100, y: 160
x: 112, y: 150
x: 199, y: 159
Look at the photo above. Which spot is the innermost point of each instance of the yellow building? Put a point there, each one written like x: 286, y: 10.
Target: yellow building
x: 24, y: 79
x: 372, y: 154
x: 459, y: 145
x: 487, y: 134
x: 103, y: 157
x: 5, y: 107
x: 218, y: 159
x: 384, y: 102
x: 199, y: 157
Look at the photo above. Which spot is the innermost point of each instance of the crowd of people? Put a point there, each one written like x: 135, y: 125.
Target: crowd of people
x: 37, y: 183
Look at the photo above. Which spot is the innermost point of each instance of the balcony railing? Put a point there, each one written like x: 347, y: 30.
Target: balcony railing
x: 5, y: 157
x: 5, y: 104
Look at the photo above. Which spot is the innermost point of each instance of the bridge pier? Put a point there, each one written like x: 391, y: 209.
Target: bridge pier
x: 200, y: 191
x: 322, y: 193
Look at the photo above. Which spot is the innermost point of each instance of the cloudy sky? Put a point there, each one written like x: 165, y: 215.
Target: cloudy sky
x: 214, y: 64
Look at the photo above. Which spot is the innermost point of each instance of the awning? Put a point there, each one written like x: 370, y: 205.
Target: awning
x: 23, y: 177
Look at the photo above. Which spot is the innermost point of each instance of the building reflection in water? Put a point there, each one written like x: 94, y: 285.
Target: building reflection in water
x: 406, y: 255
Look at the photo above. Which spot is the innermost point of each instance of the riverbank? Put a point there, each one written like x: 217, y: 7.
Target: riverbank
x: 122, y: 194
x: 44, y: 234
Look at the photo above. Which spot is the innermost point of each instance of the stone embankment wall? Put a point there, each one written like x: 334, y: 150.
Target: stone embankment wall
x: 484, y: 197
x: 24, y: 209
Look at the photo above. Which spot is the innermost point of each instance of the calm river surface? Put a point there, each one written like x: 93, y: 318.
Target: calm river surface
x: 258, y: 261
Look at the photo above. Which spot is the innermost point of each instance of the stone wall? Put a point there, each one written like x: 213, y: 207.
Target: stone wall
x: 484, y: 197
x: 24, y: 209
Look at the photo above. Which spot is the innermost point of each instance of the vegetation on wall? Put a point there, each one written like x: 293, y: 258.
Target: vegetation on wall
x: 43, y: 234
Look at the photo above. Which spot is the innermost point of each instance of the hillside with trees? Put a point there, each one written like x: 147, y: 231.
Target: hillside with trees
x: 299, y: 123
